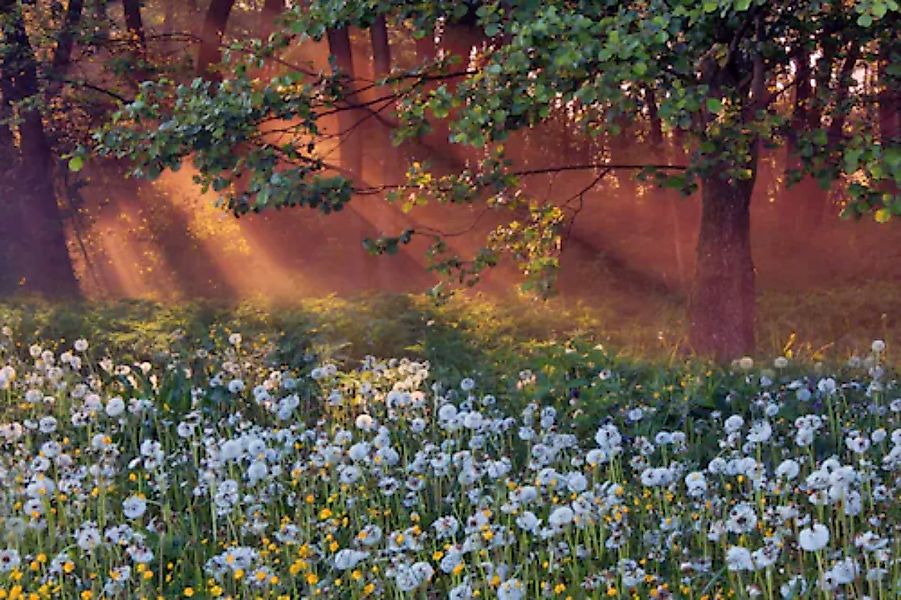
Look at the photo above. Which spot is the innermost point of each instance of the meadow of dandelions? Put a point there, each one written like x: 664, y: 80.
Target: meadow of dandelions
x: 216, y: 474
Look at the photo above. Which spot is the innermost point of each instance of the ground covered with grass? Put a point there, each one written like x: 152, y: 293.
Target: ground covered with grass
x: 213, y: 453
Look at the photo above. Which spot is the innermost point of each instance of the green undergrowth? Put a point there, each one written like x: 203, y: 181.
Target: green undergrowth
x: 493, y: 341
x: 467, y: 333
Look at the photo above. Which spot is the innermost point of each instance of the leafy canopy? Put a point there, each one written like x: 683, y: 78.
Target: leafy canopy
x: 722, y: 72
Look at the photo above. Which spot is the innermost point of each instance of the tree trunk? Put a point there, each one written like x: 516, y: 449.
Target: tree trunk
x: 381, y: 50
x: 845, y: 80
x: 426, y: 49
x: 169, y: 18
x: 889, y: 118
x: 7, y: 141
x: 210, y: 53
x: 65, y: 39
x: 805, y: 201
x: 339, y: 47
x: 801, y: 111
x: 349, y: 120
x: 101, y: 22
x: 351, y: 123
x: 65, y: 43
x: 723, y: 304
x: 133, y: 23
x: 272, y: 9
x: 46, y: 266
x: 655, y: 134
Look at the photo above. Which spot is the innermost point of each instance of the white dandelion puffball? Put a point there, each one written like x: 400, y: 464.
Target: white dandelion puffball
x: 814, y: 538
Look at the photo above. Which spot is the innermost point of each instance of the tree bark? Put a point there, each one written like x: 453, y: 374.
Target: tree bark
x: 845, y: 80
x: 351, y: 123
x: 889, y: 118
x: 804, y: 201
x: 214, y: 24
x: 46, y: 266
x: 272, y: 9
x: 99, y: 15
x: 339, y: 48
x: 65, y: 44
x: 169, y: 17
x: 7, y: 141
x: 350, y: 147
x: 802, y: 110
x: 65, y: 39
x: 426, y: 49
x: 134, y: 23
x: 655, y: 134
x: 723, y: 303
x: 381, y: 50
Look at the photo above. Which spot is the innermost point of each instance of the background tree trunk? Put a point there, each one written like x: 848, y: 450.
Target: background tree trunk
x: 381, y: 50
x: 210, y: 53
x: 426, y: 49
x: 169, y: 17
x: 133, y: 23
x: 843, y: 91
x: 351, y: 123
x: 655, y: 132
x: 805, y: 201
x: 65, y: 44
x: 722, y: 307
x: 99, y: 16
x: 801, y: 111
x: 350, y: 146
x: 7, y: 142
x: 271, y: 11
x: 889, y: 121
x: 65, y: 39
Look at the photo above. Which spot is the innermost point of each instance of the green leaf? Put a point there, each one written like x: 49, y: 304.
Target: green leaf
x: 852, y: 159
x: 819, y: 137
x: 711, y: 6
x: 640, y: 68
x: 865, y: 20
x: 742, y: 5
x: 76, y: 163
x: 714, y: 105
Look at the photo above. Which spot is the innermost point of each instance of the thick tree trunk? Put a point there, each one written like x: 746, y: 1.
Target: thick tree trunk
x: 723, y: 303
x: 268, y: 16
x: 134, y: 23
x: 381, y: 50
x: 210, y: 53
x: 46, y: 266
